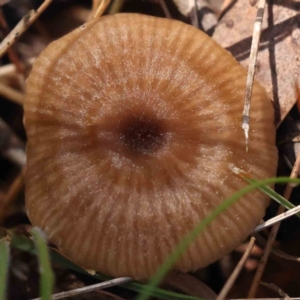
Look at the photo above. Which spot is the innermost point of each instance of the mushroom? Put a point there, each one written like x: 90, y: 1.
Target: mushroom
x: 133, y: 122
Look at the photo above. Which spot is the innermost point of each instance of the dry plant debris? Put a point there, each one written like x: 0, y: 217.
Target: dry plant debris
x: 259, y: 272
x: 279, y: 51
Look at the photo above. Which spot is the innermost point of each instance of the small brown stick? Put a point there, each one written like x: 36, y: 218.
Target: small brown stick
x: 231, y: 280
x: 116, y: 6
x: 273, y: 233
x: 165, y: 9
x: 251, y: 69
x: 21, y: 27
x: 90, y: 288
x: 11, y: 94
x: 101, y: 8
x: 12, y: 55
x: 6, y: 204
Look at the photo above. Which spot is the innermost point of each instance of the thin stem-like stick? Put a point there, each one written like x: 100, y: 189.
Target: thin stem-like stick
x: 231, y: 280
x: 194, y: 15
x: 11, y: 69
x: 164, y: 7
x: 11, y: 147
x: 251, y: 69
x: 101, y: 8
x: 90, y: 288
x: 277, y: 219
x: 21, y: 27
x: 7, y: 202
x: 11, y: 94
x: 273, y: 233
x: 12, y: 55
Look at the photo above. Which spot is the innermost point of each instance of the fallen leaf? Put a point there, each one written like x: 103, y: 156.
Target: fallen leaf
x: 279, y: 50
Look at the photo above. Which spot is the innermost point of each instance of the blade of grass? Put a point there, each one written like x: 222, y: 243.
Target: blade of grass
x: 182, y: 246
x: 25, y: 244
x: 46, y: 274
x: 266, y: 190
x: 4, y: 263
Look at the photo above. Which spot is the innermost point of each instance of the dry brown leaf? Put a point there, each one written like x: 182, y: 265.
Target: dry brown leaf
x: 278, y: 65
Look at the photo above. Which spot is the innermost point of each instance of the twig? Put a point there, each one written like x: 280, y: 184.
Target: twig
x: 13, y: 57
x: 21, y: 27
x: 10, y: 146
x: 277, y: 219
x: 101, y: 8
x: 275, y: 289
x: 194, y: 15
x: 251, y: 69
x: 11, y: 195
x: 95, y: 6
x: 165, y: 9
x: 9, y: 69
x: 273, y: 233
x: 11, y: 94
x: 261, y: 240
x: 116, y: 6
x: 226, y: 288
x: 90, y: 288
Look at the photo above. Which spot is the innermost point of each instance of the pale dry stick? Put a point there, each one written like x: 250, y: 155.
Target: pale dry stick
x: 277, y: 219
x: 116, y: 6
x: 165, y: 9
x: 10, y: 69
x: 95, y: 6
x: 10, y: 145
x: 231, y: 280
x: 90, y: 288
x: 101, y: 8
x: 21, y: 27
x: 12, y: 55
x: 251, y: 69
x: 275, y: 289
x: 11, y: 94
x: 273, y: 233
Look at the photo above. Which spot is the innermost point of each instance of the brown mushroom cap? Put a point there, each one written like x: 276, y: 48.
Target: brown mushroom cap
x: 133, y: 122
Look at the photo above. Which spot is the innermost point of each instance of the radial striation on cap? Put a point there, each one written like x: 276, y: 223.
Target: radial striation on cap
x: 133, y: 123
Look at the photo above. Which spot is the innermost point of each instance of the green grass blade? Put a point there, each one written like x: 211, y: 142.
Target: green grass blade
x: 25, y: 244
x: 4, y: 264
x: 181, y: 247
x: 46, y: 274
x: 273, y: 195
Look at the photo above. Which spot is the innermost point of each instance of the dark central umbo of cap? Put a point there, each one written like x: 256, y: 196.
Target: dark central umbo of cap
x: 142, y: 135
